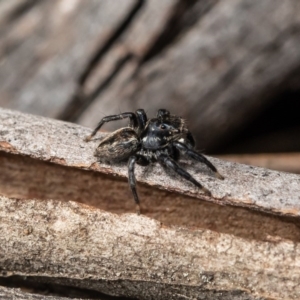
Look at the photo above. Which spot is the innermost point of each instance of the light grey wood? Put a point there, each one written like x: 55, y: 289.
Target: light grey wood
x: 63, y: 143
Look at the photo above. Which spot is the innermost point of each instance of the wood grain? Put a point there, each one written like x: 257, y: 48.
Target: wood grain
x: 63, y: 144
x: 134, y: 256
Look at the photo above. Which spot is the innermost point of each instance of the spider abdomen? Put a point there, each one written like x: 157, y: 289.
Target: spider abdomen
x: 118, y: 145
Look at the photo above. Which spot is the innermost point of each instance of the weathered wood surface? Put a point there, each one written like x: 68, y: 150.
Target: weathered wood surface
x: 217, y: 63
x: 237, y: 254
x: 26, y: 178
x: 63, y: 143
x: 134, y: 256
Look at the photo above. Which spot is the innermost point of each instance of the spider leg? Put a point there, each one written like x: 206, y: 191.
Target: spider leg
x: 197, y: 156
x: 132, y: 117
x: 139, y: 159
x: 141, y: 118
x: 170, y: 163
x: 142, y: 160
x: 190, y: 139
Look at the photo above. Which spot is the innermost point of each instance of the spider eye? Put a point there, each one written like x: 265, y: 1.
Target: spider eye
x: 162, y: 126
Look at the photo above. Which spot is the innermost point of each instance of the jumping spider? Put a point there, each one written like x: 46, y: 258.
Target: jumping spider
x: 146, y: 141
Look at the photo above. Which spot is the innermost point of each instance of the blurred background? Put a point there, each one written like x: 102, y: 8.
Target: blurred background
x: 230, y: 67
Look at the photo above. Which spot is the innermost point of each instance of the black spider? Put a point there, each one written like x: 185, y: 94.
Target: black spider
x: 145, y: 141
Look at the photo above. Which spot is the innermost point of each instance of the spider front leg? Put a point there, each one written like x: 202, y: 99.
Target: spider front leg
x: 197, y: 156
x: 170, y: 163
x: 132, y: 117
x: 131, y: 177
x: 190, y: 140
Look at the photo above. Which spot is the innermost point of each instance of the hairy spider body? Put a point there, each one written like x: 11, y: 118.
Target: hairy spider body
x: 118, y: 145
x: 146, y: 141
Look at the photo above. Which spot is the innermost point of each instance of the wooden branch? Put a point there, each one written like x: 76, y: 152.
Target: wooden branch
x: 66, y: 243
x: 130, y: 255
x: 63, y: 144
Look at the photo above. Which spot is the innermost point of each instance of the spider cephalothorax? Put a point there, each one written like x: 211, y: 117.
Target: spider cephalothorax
x: 145, y: 141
